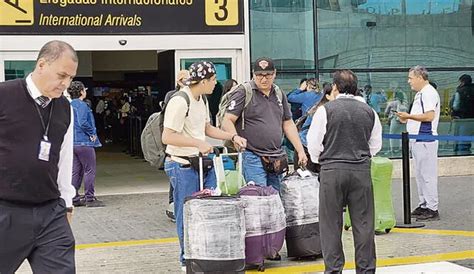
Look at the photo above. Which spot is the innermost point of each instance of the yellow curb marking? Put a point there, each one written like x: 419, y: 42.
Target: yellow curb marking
x: 128, y: 243
x: 175, y: 240
x: 461, y: 255
x: 434, y: 232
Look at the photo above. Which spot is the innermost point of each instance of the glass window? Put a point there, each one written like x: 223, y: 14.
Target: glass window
x: 291, y: 81
x: 18, y: 69
x: 283, y: 31
x: 395, y: 33
x: 387, y: 87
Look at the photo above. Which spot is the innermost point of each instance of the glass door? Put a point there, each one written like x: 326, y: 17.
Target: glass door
x: 16, y: 64
x: 227, y: 67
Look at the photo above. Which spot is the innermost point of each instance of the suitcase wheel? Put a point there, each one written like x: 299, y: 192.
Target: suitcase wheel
x: 387, y: 230
x: 346, y: 227
x: 261, y: 268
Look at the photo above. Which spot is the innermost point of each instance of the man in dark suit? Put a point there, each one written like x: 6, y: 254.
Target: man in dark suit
x: 36, y: 152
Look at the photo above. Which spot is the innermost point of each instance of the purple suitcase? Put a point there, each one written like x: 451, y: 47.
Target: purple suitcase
x: 265, y: 224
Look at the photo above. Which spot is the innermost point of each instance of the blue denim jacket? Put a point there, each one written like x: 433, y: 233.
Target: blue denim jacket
x: 84, y: 125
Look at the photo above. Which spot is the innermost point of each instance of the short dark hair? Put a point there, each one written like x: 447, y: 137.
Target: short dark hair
x: 75, y: 89
x: 52, y: 50
x: 228, y: 85
x: 345, y: 81
x: 465, y: 79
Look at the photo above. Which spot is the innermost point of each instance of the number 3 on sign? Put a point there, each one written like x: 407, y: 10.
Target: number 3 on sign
x: 222, y: 12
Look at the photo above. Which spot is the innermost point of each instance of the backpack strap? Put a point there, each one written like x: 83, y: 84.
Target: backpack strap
x: 248, y: 98
x: 278, y: 93
x: 183, y: 94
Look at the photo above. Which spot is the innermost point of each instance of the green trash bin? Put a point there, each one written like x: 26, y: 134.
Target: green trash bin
x: 381, y: 172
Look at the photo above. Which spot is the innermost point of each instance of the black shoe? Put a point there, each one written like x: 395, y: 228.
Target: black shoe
x: 418, y: 211
x: 94, y: 203
x: 79, y: 202
x: 429, y: 215
x: 277, y: 257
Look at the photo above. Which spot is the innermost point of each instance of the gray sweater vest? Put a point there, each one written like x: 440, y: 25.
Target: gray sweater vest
x: 349, y: 127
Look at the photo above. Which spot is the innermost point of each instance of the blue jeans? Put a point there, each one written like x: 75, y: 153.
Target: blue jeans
x: 253, y: 171
x: 185, y: 181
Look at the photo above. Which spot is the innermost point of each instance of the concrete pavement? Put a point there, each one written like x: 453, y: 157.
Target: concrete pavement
x: 132, y: 234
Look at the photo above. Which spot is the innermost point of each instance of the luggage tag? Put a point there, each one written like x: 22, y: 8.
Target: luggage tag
x: 45, y: 147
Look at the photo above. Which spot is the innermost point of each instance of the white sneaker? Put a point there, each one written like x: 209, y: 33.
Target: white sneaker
x: 183, y: 268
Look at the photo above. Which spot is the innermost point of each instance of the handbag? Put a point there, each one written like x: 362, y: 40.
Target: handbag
x: 207, y: 163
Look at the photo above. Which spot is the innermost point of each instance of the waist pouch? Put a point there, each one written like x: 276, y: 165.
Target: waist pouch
x: 275, y: 164
x: 207, y: 163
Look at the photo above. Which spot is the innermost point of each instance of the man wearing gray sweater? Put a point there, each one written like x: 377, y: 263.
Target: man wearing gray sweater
x: 344, y: 135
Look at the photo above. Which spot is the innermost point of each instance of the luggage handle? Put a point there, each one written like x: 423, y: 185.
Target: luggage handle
x: 218, y: 154
x: 201, y: 171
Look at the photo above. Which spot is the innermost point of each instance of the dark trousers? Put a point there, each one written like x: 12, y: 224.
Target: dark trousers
x: 84, y: 168
x: 41, y: 234
x: 351, y: 187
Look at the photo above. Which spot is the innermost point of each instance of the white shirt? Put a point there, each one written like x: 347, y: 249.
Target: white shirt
x: 317, y: 130
x: 194, y: 125
x: 431, y: 102
x: 66, y: 153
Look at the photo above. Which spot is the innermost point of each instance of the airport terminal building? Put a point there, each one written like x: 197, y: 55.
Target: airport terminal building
x: 132, y: 44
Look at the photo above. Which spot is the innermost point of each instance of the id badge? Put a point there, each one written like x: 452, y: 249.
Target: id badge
x: 45, y: 147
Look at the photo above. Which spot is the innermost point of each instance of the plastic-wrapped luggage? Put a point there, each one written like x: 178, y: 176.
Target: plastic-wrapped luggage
x: 300, y: 197
x: 214, y: 233
x: 265, y: 224
x: 381, y: 173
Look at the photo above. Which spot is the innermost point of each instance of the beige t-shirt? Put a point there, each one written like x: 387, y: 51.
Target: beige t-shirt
x: 194, y: 125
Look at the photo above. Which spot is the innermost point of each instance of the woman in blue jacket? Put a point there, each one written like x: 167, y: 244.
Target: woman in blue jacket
x: 305, y: 121
x: 85, y: 140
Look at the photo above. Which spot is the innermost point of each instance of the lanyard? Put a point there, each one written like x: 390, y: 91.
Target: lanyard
x: 45, y: 128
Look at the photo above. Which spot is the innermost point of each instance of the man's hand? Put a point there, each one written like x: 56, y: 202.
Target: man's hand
x: 404, y: 116
x: 93, y: 138
x: 304, y: 86
x: 204, y: 148
x: 69, y: 217
x: 302, y: 159
x: 240, y: 143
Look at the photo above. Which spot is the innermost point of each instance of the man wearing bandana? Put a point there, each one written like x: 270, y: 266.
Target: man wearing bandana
x: 186, y: 126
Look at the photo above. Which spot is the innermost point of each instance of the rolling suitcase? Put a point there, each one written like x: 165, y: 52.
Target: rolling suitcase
x: 381, y: 173
x: 214, y: 233
x: 300, y: 198
x: 265, y: 224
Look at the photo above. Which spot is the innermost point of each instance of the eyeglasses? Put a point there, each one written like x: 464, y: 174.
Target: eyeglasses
x: 266, y: 76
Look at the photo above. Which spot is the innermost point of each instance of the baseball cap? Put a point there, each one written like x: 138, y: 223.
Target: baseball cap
x: 199, y: 71
x: 263, y: 65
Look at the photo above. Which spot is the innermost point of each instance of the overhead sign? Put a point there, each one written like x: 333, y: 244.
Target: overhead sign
x: 121, y: 16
